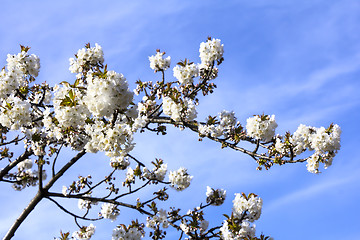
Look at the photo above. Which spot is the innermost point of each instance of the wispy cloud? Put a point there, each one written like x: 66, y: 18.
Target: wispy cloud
x: 310, y: 192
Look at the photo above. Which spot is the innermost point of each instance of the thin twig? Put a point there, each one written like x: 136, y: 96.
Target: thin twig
x: 70, y: 213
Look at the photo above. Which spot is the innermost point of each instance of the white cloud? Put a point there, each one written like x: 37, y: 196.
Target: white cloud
x: 311, y: 191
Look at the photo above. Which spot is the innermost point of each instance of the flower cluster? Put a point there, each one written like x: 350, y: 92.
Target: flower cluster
x: 119, y: 162
x: 19, y: 68
x: 319, y: 139
x: 217, y: 129
x: 185, y: 110
x: 158, y: 63
x: 84, y: 233
x: 105, y: 95
x: 160, y: 219
x: 130, y: 176
x: 22, y: 62
x: 85, y: 57
x: 185, y: 72
x: 69, y: 107
x: 211, y: 50
x: 110, y: 211
x: 247, y: 206
x: 158, y: 173
x: 26, y: 176
x: 147, y: 105
x: 325, y: 142
x: 24, y: 165
x: 215, y: 197
x: 180, y: 179
x: 115, y: 140
x: 195, y: 224
x: 261, y: 127
x: 246, y: 231
x: 122, y: 232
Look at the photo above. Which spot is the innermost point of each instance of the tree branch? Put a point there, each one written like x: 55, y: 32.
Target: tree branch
x: 11, y: 165
x: 40, y: 195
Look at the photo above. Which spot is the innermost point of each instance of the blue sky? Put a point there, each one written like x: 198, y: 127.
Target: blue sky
x: 298, y: 60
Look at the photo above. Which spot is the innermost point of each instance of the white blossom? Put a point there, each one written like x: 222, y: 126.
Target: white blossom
x: 226, y: 123
x: 323, y: 141
x: 92, y: 56
x: 24, y: 165
x: 120, y: 233
x: 158, y: 63
x: 180, y: 179
x: 27, y: 64
x: 312, y: 164
x: 185, y: 74
x: 105, y: 95
x: 261, y: 127
x: 160, y: 219
x: 252, y: 206
x: 300, y: 138
x: 211, y: 50
x: 130, y: 177
x: 64, y: 191
x: 15, y: 113
x: 245, y: 231
x: 84, y: 233
x: 178, y: 112
x: 110, y: 211
x: 119, y: 162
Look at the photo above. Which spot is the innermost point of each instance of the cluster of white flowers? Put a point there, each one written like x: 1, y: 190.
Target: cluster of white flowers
x: 280, y: 147
x: 130, y: 177
x: 177, y: 112
x: 120, y: 233
x: 185, y: 74
x: 19, y: 72
x: 211, y: 50
x: 159, y: 219
x: 325, y: 142
x: 18, y: 66
x: 180, y: 179
x: 215, y: 197
x: 227, y: 122
x: 104, y: 95
x: 157, y: 173
x: 27, y: 64
x: 15, y: 113
x: 119, y: 162
x: 187, y: 228
x: 115, y: 140
x: 24, y: 165
x: 158, y: 63
x: 251, y: 206
x: 312, y: 164
x: 84, y: 233
x: 26, y: 176
x: 110, y: 211
x: 261, y: 127
x: 69, y: 116
x: 246, y: 230
x: 93, y: 56
x: 146, y: 105
x: 84, y: 204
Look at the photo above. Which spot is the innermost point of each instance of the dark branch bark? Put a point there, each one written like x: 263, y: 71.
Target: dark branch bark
x: 11, y: 165
x: 40, y: 195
